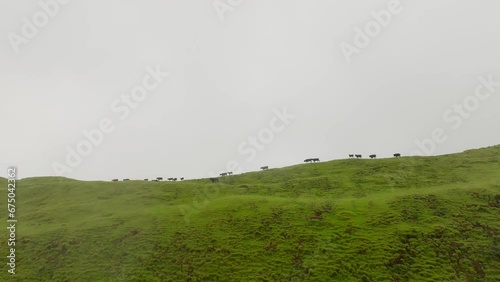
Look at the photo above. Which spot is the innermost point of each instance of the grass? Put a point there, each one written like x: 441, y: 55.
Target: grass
x: 398, y: 219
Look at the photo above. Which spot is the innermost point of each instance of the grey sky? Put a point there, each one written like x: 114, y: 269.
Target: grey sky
x: 227, y: 77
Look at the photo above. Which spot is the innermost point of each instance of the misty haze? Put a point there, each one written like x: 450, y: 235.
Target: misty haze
x: 233, y: 140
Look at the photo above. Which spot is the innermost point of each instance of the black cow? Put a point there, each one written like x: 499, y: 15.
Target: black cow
x: 373, y: 156
x: 169, y: 179
x: 174, y: 179
x: 358, y: 156
x: 308, y: 160
x: 214, y: 179
x: 182, y: 178
x: 229, y: 172
x: 315, y: 160
x: 159, y: 178
x: 397, y: 155
x: 126, y: 179
x: 223, y: 174
x: 264, y: 167
x: 114, y: 180
x: 351, y: 156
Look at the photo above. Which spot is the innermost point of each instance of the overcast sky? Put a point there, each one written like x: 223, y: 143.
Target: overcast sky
x: 302, y: 78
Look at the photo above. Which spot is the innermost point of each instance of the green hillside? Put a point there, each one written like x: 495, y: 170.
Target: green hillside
x: 396, y: 219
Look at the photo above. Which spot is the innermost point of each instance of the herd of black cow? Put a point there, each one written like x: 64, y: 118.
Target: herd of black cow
x: 371, y: 156
x: 154, y: 180
x: 215, y: 179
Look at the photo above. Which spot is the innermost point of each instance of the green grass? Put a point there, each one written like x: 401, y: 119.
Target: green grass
x: 398, y: 219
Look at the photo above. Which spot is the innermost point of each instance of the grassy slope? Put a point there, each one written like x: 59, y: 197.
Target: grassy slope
x: 404, y: 219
